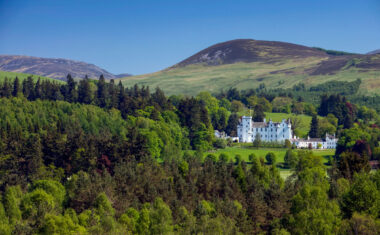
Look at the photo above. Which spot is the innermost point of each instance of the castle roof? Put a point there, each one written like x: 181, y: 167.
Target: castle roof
x: 259, y: 124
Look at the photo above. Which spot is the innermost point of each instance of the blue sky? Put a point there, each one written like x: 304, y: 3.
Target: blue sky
x: 142, y: 36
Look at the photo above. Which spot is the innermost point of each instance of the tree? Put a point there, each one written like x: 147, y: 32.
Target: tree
x: 112, y: 93
x: 16, y: 87
x: 12, y: 197
x: 314, y: 128
x: 102, y: 92
x: 28, y: 88
x: 351, y: 163
x: 360, y: 224
x: 232, y: 124
x: 271, y: 158
x: 259, y: 114
x: 257, y: 141
x: 291, y: 159
x: 38, y: 90
x: 6, y: 89
x: 236, y: 106
x: 288, y: 144
x: 160, y: 218
x: 70, y: 91
x: 84, y: 91
x: 362, y: 197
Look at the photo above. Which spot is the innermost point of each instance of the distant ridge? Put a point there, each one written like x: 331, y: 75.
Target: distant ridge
x: 52, y: 67
x: 248, y: 63
x: 249, y: 50
x: 374, y: 52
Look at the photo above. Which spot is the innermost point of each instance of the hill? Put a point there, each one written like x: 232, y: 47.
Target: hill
x: 245, y: 64
x: 22, y: 76
x: 51, y: 67
x: 374, y: 52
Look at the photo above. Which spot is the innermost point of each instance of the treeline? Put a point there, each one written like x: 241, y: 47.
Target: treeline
x: 134, y: 101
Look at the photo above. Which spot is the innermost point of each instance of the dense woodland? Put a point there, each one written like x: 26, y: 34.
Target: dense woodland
x: 94, y: 157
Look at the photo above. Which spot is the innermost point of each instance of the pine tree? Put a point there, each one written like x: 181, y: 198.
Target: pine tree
x: 160, y: 98
x: 84, y: 91
x: 314, y: 128
x: 102, y: 92
x: 121, y: 94
x: 71, y: 93
x: 259, y: 114
x: 28, y: 88
x: 233, y: 121
x: 16, y: 87
x: 6, y: 89
x: 38, y: 90
x: 112, y: 90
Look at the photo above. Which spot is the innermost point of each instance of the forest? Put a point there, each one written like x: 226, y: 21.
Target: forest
x: 95, y: 157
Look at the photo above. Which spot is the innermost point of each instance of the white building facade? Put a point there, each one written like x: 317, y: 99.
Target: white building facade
x: 270, y: 131
x: 329, y: 142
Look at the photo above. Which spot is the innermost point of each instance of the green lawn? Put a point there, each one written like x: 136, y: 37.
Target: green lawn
x: 245, y: 151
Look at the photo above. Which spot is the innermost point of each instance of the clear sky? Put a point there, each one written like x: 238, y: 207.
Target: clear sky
x: 141, y: 36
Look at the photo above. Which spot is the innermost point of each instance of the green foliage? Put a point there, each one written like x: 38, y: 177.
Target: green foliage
x: 36, y: 204
x: 271, y: 158
x: 61, y: 224
x: 291, y: 159
x: 314, y: 127
x: 160, y: 218
x: 11, y: 200
x: 53, y: 188
x: 363, y: 197
x: 313, y: 213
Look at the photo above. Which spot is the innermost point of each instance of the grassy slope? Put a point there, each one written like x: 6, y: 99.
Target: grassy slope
x: 22, y: 76
x: 192, y: 79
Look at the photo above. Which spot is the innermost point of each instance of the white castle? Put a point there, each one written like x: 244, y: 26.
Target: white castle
x: 268, y: 131
x: 247, y: 130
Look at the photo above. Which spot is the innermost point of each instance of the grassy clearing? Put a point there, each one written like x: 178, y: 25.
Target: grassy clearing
x: 22, y: 76
x: 245, y: 151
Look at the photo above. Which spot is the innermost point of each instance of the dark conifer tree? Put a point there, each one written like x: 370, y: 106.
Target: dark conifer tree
x: 232, y: 123
x: 28, y: 88
x: 314, y: 128
x: 101, y: 92
x: 37, y: 90
x: 71, y: 93
x: 84, y: 91
x: 16, y: 87
x: 6, y: 89
x: 120, y: 94
x: 112, y: 92
x: 160, y: 99
x: 259, y: 114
